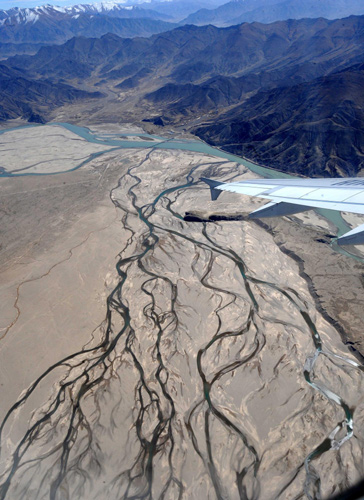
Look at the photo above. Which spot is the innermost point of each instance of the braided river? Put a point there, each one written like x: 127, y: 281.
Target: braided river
x: 213, y: 375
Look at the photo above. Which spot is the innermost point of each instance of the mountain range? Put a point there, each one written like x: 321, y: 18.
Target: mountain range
x: 49, y: 31
x: 287, y: 94
x: 25, y: 30
x: 281, y: 53
x: 268, y: 11
x: 22, y: 16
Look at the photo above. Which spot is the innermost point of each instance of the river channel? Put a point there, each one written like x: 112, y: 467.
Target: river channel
x: 197, y: 146
x: 213, y: 376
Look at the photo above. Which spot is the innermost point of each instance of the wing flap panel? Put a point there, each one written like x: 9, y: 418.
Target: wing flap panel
x: 293, y: 192
x: 279, y: 209
x: 356, y: 198
x: 341, y: 206
x: 248, y: 190
x: 332, y: 194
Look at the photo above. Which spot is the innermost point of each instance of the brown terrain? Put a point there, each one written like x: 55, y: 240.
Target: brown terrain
x: 144, y: 356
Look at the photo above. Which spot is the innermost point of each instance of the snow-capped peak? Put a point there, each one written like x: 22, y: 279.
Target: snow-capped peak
x: 18, y: 15
x: 96, y: 7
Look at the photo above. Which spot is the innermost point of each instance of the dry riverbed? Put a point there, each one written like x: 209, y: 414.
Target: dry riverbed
x: 143, y: 356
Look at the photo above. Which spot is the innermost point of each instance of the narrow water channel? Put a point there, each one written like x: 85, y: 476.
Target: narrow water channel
x: 209, y: 381
x: 197, y: 146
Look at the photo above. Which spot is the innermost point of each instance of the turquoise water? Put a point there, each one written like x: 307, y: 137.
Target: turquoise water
x: 113, y: 141
x: 196, y: 146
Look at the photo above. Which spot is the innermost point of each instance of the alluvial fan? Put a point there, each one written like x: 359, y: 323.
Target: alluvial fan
x: 212, y: 376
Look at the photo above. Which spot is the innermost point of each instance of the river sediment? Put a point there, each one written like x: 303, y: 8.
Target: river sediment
x: 201, y: 368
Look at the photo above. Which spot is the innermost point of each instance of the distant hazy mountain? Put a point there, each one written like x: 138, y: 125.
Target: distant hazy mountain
x: 179, y: 9
x: 267, y: 11
x: 52, y: 30
x: 294, y: 9
x: 223, y: 14
x: 26, y: 30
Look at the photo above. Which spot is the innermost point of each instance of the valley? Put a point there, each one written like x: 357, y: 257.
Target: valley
x: 272, y: 99
x: 155, y: 344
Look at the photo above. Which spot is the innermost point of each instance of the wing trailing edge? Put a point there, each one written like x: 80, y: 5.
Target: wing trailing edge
x: 291, y: 196
x: 277, y: 209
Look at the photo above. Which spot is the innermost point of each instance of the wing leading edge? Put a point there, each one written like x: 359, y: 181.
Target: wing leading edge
x: 291, y: 196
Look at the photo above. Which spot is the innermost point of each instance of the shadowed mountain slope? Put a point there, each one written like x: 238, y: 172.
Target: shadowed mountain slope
x: 192, y: 54
x: 313, y: 128
x: 29, y: 99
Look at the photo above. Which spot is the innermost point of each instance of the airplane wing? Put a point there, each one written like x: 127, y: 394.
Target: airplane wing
x: 290, y: 196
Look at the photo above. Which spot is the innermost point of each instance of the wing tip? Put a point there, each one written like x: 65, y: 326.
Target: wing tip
x: 353, y: 237
x: 215, y: 193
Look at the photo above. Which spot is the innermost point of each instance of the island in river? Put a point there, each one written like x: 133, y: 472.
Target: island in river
x: 146, y: 356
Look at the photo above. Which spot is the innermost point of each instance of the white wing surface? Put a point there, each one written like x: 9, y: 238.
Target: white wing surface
x: 289, y: 196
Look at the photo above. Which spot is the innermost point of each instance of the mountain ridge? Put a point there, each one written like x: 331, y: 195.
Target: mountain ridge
x: 327, y: 45
x: 190, y: 77
x: 313, y: 128
x: 23, y: 30
x: 50, y: 31
x: 263, y: 11
x: 29, y: 99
